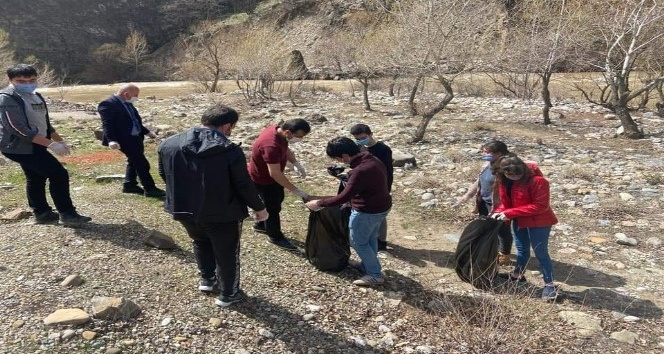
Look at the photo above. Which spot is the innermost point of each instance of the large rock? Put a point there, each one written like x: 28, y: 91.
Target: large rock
x: 585, y: 323
x: 399, y: 159
x: 160, y: 240
x: 67, y: 317
x: 625, y: 336
x: 113, y: 308
x: 297, y: 69
x: 16, y: 214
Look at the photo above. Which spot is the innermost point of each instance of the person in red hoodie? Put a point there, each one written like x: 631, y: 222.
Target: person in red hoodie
x: 524, y: 199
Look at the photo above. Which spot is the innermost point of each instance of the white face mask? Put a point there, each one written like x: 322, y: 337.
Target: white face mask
x: 294, y: 140
x: 132, y: 100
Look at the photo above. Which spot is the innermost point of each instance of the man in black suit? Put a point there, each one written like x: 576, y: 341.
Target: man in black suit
x: 124, y: 131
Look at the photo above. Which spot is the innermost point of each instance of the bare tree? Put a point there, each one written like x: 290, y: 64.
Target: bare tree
x: 438, y: 40
x: 629, y: 28
x: 135, y: 49
x: 204, y: 56
x: 6, y: 52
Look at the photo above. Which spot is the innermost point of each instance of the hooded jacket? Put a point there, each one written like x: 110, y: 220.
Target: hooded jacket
x: 206, y: 177
x: 16, y: 134
x: 528, y: 200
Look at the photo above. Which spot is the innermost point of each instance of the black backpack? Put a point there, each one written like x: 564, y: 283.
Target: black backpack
x: 327, y: 246
x: 476, y: 255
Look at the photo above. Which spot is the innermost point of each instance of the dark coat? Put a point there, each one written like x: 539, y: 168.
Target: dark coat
x: 116, y: 121
x: 206, y: 177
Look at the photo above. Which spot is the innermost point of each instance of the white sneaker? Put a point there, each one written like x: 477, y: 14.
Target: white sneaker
x: 369, y: 280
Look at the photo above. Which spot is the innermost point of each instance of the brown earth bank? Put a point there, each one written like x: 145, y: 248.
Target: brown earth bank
x: 601, y: 186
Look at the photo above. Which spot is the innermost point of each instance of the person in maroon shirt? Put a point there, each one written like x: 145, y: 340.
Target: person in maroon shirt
x: 269, y: 155
x: 370, y: 200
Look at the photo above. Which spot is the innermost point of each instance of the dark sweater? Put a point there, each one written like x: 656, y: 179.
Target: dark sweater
x: 366, y: 189
x: 384, y: 154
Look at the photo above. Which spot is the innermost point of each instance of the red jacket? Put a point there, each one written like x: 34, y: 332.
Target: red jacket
x: 528, y: 202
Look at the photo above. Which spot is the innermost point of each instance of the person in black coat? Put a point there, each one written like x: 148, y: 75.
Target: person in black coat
x: 208, y: 190
x: 364, y: 138
x: 124, y: 131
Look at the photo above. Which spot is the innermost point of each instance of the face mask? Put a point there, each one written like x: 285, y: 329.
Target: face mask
x: 294, y: 140
x: 514, y: 177
x: 25, y: 88
x: 488, y: 157
x: 132, y: 100
x: 363, y: 142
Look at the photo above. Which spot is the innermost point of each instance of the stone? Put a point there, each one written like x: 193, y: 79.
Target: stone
x: 113, y: 350
x: 610, y: 116
x: 316, y: 118
x: 452, y: 237
x: 160, y: 240
x: 265, y: 333
x: 585, y: 323
x: 424, y: 349
x: 113, y: 308
x: 626, y: 197
x: 309, y: 316
x: 89, y: 335
x: 313, y: 308
x: 622, y: 239
x: 384, y: 329
x: 428, y: 196
x: 68, y: 333
x: 216, y: 322
x: 166, y: 321
x: 18, y: 324
x: 16, y: 214
x: 72, y: 280
x: 631, y: 319
x: 654, y: 242
x: 590, y: 199
x: 109, y: 178
x: 399, y: 159
x: 67, y: 317
x: 597, y: 240
x: 625, y: 336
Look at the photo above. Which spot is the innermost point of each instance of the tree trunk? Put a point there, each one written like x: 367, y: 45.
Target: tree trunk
x: 365, y: 93
x: 421, y: 129
x: 428, y: 115
x: 546, y: 97
x: 411, y: 99
x: 631, y: 129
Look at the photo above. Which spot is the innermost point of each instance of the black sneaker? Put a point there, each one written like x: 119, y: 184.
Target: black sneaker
x: 47, y: 217
x: 382, y: 245
x: 154, y: 193
x: 260, y: 228
x: 282, y: 242
x: 208, y: 285
x: 73, y: 218
x: 225, y: 301
x: 133, y: 189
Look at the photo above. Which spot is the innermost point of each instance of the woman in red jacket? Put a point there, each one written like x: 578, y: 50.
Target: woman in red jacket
x: 524, y: 199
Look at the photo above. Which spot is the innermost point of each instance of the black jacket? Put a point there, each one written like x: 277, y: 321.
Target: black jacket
x: 116, y: 121
x: 384, y: 154
x: 206, y: 177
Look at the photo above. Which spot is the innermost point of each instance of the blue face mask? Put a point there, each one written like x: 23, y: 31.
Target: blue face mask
x: 363, y: 142
x: 25, y: 88
x: 488, y: 157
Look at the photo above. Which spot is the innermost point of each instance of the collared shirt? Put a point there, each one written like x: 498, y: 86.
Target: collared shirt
x: 135, y: 126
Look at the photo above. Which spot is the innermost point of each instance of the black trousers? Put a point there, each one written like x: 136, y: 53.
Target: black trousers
x: 273, y: 196
x: 504, y: 234
x: 217, y: 250
x: 39, y: 167
x: 137, y: 164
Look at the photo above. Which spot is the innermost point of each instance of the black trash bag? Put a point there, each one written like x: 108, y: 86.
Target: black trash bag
x: 327, y: 246
x: 476, y: 255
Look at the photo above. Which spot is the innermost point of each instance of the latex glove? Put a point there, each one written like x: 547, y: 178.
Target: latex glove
x: 152, y: 135
x: 67, y: 146
x: 300, y: 193
x: 59, y: 148
x: 300, y: 169
x: 114, y: 145
x: 261, y: 215
x: 499, y: 216
x: 313, y: 205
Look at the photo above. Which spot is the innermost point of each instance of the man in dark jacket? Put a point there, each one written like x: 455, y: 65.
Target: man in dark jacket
x: 364, y: 138
x: 208, y: 190
x: 25, y: 135
x: 124, y: 131
x: 366, y: 190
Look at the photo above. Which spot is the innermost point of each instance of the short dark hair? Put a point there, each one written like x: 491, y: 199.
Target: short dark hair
x: 360, y: 129
x: 296, y: 125
x: 496, y: 146
x: 218, y: 115
x: 341, y: 145
x: 24, y: 70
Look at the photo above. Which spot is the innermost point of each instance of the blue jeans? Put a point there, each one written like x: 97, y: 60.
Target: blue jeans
x: 364, y: 230
x: 538, y: 238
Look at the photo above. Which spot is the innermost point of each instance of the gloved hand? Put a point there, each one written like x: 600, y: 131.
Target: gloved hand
x: 499, y: 216
x: 300, y: 169
x: 459, y: 200
x: 152, y: 135
x: 261, y: 215
x: 114, y: 145
x: 313, y: 205
x: 59, y: 148
x: 300, y: 193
